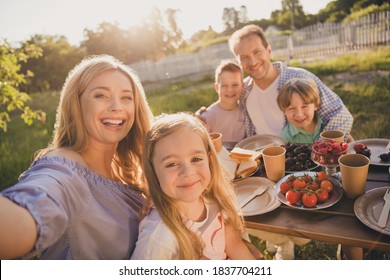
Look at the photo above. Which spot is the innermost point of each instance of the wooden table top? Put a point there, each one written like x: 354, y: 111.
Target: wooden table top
x: 336, y: 224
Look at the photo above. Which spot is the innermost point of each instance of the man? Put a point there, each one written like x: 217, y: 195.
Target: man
x: 265, y: 80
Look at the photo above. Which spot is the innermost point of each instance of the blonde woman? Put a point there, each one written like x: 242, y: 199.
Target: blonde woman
x: 192, y: 213
x: 81, y: 197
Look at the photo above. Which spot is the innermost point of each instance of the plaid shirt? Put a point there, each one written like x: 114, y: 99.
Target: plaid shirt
x: 334, y: 114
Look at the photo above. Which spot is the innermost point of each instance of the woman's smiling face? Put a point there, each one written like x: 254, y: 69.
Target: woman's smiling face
x: 107, y: 106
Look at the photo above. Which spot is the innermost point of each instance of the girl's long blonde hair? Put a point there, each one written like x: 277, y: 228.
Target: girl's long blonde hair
x: 219, y: 189
x: 70, y: 131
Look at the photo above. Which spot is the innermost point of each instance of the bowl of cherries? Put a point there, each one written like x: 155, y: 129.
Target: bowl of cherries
x: 327, y: 153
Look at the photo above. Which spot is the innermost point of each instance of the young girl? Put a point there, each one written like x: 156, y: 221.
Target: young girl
x: 192, y: 213
x: 299, y: 100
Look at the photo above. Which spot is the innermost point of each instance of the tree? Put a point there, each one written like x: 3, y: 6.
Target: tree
x: 110, y: 39
x: 11, y: 98
x: 50, y: 69
x: 152, y: 39
x: 174, y: 32
x: 230, y: 19
x: 157, y: 39
x: 291, y: 15
x: 243, y: 15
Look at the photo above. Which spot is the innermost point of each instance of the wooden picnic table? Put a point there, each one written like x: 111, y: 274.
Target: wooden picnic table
x: 336, y: 224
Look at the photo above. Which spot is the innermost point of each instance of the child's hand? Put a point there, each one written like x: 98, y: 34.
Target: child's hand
x: 199, y: 113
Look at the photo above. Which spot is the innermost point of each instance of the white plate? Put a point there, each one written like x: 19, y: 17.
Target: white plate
x: 257, y: 141
x: 335, y: 196
x: 368, y: 208
x: 261, y: 204
x: 377, y: 146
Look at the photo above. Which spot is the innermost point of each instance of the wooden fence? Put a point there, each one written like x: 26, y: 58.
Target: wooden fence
x: 312, y: 41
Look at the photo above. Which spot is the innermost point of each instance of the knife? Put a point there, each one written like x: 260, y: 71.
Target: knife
x: 385, y: 210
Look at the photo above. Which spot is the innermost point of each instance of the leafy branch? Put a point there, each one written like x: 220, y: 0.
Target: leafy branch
x: 11, y: 80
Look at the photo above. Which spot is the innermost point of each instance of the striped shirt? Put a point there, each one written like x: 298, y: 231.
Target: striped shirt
x: 334, y: 114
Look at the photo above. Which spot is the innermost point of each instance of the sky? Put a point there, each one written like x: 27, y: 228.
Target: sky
x: 20, y: 19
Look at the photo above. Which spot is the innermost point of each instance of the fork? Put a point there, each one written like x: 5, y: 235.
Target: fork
x: 385, y: 210
x: 259, y: 191
x: 264, y: 146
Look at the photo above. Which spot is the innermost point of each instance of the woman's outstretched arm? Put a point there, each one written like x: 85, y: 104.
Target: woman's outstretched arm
x: 18, y: 230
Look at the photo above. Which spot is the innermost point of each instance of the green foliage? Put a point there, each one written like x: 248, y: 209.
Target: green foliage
x: 314, y: 250
x: 16, y: 149
x: 202, y: 39
x: 150, y: 40
x: 11, y: 79
x: 365, y: 11
x: 51, y: 69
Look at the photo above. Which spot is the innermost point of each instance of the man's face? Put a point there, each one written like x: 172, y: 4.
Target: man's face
x: 255, y: 59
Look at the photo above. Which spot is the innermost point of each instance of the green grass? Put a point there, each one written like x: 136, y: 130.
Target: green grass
x: 356, y: 61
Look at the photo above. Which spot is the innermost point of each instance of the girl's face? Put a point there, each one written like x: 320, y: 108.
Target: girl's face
x: 229, y: 88
x: 301, y: 114
x: 107, y: 106
x: 181, y: 164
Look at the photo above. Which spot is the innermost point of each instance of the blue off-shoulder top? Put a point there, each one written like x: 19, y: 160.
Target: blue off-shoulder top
x: 79, y: 214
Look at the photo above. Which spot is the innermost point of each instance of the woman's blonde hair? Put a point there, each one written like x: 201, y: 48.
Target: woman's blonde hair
x: 219, y: 189
x: 306, y: 88
x: 70, y: 132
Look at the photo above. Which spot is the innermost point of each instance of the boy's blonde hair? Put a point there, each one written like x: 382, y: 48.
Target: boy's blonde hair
x: 228, y: 66
x: 70, y: 131
x: 306, y: 88
x: 219, y: 189
x: 244, y: 32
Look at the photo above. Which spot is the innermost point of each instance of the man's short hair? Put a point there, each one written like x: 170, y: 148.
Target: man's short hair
x: 246, y: 31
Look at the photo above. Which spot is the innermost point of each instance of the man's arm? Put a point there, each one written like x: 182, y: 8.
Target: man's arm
x: 332, y: 110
